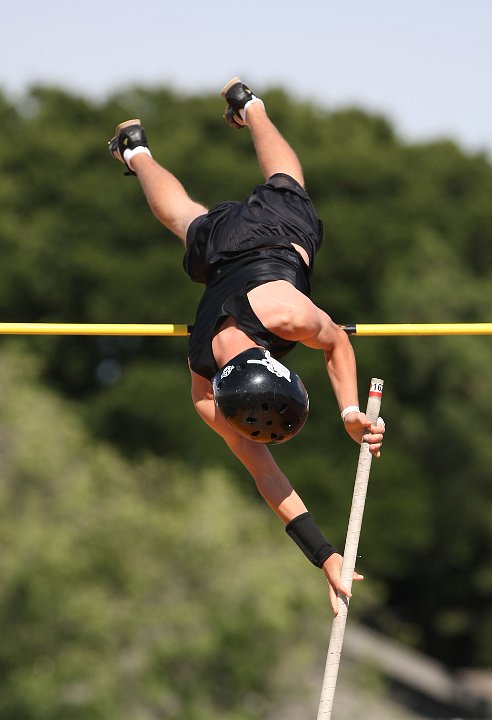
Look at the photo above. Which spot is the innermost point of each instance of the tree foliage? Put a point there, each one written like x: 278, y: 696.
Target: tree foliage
x: 408, y: 238
x: 137, y: 590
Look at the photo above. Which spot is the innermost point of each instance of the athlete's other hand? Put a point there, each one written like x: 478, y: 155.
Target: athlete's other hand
x: 361, y: 429
x: 332, y: 567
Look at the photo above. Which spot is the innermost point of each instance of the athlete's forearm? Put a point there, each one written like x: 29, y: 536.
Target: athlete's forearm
x: 271, y: 482
x: 342, y: 371
x: 281, y: 497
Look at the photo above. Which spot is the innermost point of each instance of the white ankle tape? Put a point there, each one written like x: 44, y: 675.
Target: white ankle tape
x: 254, y: 99
x: 129, y: 154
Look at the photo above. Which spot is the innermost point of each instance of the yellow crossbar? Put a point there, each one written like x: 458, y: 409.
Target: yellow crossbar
x: 92, y: 329
x: 419, y: 329
x: 378, y: 329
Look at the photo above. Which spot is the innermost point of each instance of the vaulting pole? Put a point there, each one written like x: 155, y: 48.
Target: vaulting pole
x: 349, y: 557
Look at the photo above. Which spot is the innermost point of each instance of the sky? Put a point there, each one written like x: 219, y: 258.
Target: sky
x: 425, y: 64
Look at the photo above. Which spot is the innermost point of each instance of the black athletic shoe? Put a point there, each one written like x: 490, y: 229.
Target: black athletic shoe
x: 128, y: 135
x: 237, y: 94
x: 231, y: 118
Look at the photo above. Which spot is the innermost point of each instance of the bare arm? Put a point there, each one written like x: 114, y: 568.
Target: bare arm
x: 271, y: 482
x: 276, y: 489
x: 341, y: 369
x: 292, y: 316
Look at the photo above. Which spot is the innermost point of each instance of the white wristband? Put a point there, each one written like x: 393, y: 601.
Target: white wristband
x: 349, y: 409
x: 128, y: 154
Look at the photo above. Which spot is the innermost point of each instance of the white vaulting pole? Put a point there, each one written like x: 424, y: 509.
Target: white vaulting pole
x: 349, y: 558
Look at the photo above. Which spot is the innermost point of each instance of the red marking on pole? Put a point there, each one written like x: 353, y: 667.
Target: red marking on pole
x: 376, y: 389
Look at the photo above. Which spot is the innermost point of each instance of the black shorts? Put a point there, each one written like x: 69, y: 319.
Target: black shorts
x: 226, y: 296
x: 236, y: 247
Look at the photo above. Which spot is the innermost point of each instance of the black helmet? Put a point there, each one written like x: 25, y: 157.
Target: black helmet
x: 261, y: 398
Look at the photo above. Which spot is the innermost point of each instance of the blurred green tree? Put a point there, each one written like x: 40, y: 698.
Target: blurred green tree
x: 138, y: 591
x: 408, y: 239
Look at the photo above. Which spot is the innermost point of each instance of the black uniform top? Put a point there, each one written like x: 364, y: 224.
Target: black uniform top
x: 237, y: 246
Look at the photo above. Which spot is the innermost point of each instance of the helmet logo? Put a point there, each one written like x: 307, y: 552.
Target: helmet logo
x: 226, y: 371
x: 271, y: 364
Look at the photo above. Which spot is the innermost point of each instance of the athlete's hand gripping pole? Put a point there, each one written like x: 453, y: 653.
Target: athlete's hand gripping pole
x: 349, y: 558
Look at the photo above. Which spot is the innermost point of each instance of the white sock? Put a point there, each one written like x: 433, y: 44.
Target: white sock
x: 254, y: 99
x: 129, y: 154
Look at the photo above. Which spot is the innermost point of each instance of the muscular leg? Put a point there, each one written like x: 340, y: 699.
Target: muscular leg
x: 274, y: 153
x: 166, y: 196
x: 170, y: 202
